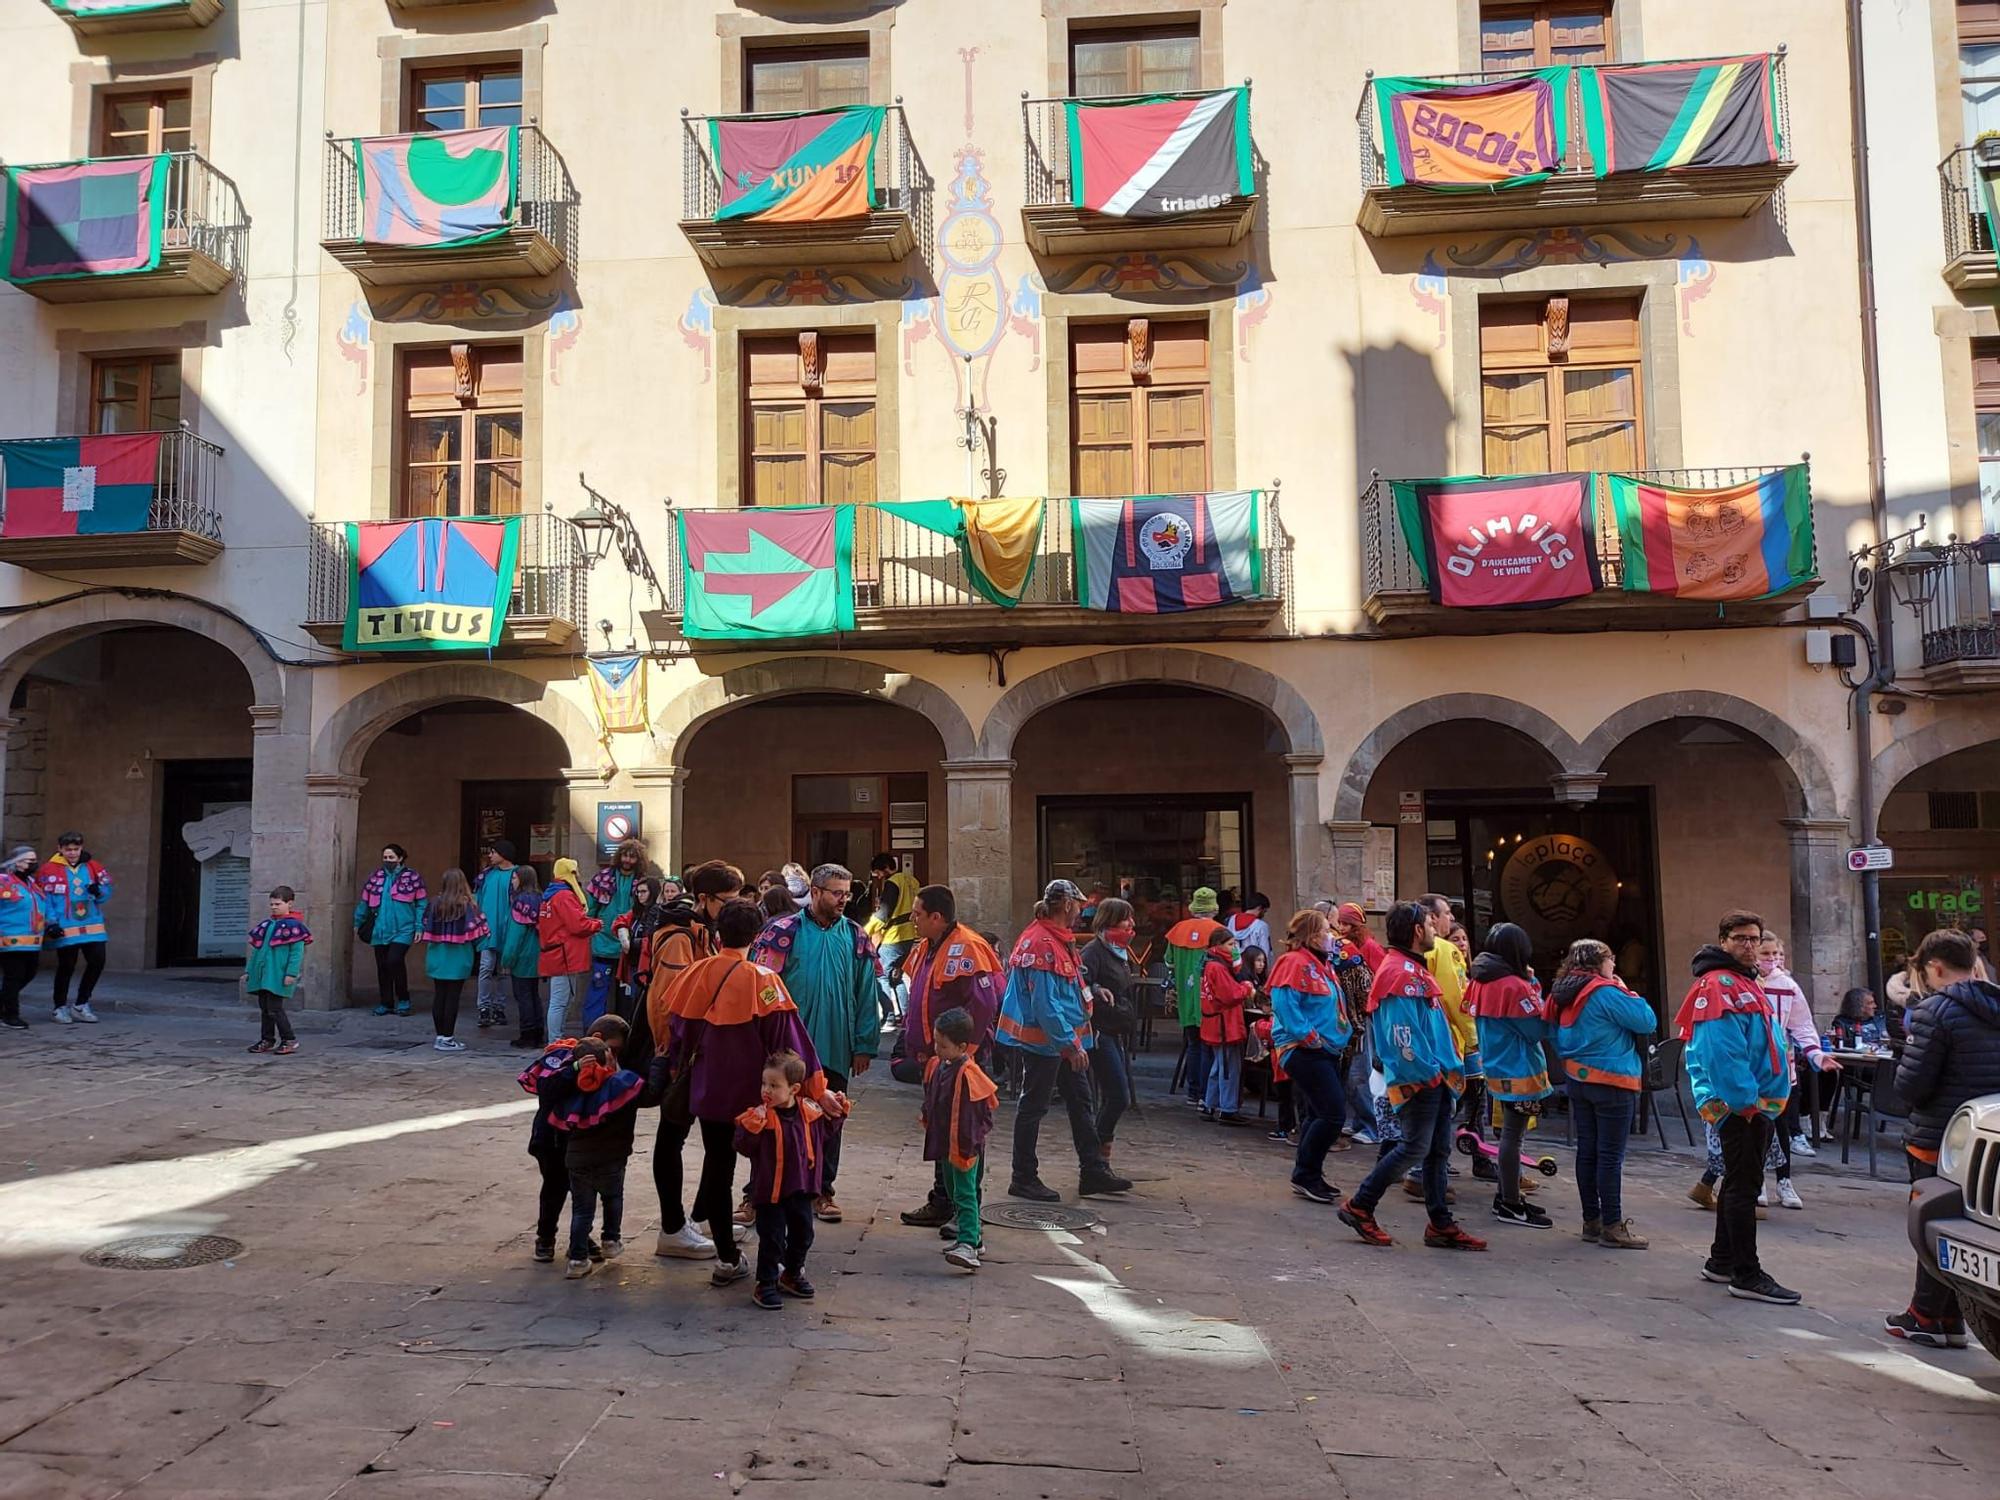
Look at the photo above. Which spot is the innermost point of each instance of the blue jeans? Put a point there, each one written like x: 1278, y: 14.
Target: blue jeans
x: 892, y: 956
x: 603, y: 979
x: 1426, y: 1121
x: 492, y: 985
x: 1197, y: 1062
x: 1107, y: 1070
x: 1603, y: 1121
x: 1224, y: 1093
x: 563, y: 988
x: 1316, y: 1081
x: 585, y: 1188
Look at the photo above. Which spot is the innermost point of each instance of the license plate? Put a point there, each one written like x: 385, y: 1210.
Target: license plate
x: 1967, y: 1263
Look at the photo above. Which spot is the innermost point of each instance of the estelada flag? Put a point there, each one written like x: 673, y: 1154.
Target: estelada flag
x: 433, y: 584
x: 79, y: 486
x: 1743, y: 541
x: 1150, y: 158
x: 796, y: 169
x: 1666, y: 117
x: 1160, y: 554
x: 767, y: 571
x: 618, y: 686
x: 1462, y: 136
x: 92, y: 218
x: 1514, y: 543
x: 441, y: 188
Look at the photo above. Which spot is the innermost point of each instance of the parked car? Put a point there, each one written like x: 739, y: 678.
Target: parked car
x: 1955, y: 1216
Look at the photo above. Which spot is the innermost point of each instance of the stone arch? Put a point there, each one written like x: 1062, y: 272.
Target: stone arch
x: 1961, y: 728
x: 28, y: 637
x: 343, y: 744
x: 1811, y: 783
x: 789, y: 676
x: 1429, y: 712
x: 1201, y: 669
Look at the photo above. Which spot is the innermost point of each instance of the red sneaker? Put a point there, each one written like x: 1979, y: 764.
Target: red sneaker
x: 1362, y: 1222
x: 1451, y: 1237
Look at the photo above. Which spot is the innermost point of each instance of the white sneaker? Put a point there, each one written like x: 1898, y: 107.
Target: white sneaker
x: 1764, y: 1200
x: 1789, y: 1195
x: 86, y: 1014
x: 448, y: 1044
x: 1802, y: 1147
x: 685, y: 1243
x: 63, y: 1016
x: 963, y: 1255
x: 728, y: 1271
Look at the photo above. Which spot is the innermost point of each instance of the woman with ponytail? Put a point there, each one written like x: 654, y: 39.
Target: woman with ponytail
x: 1600, y: 1026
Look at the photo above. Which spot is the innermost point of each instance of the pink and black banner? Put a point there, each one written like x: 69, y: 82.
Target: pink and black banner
x: 1522, y: 543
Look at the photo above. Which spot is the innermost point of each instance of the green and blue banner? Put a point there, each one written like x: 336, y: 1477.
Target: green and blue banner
x: 1681, y: 116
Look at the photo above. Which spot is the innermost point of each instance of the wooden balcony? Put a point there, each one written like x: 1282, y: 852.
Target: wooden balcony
x: 183, y: 524
x: 110, y: 17
x: 201, y: 243
x: 540, y: 241
x: 1397, y: 599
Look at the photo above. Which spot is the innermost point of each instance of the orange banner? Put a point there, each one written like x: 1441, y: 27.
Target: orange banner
x: 1484, y: 135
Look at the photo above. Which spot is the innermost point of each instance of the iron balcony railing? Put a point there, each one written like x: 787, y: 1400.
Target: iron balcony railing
x: 1390, y: 566
x: 187, y: 486
x: 547, y: 201
x: 1966, y: 231
x: 898, y: 566
x: 1956, y: 614
x: 1045, y: 146
x: 902, y: 181
x: 1577, y: 162
x: 551, y: 573
x: 204, y: 211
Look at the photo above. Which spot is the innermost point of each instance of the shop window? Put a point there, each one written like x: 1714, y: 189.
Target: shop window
x: 1516, y: 37
x: 1986, y: 407
x: 1559, y: 385
x: 145, y: 123
x: 461, y: 449
x: 135, y: 392
x: 1154, y: 851
x: 809, y: 419
x: 778, y: 80
x: 464, y: 95
x: 1135, y: 60
x: 1139, y: 406
x: 849, y: 820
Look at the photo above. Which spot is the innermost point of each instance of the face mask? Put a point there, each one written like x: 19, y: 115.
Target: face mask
x: 1118, y: 948
x: 1767, y: 966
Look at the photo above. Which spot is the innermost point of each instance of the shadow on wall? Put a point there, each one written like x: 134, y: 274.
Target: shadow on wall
x: 1402, y: 413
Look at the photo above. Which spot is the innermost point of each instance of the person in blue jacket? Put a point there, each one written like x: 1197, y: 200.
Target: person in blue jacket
x: 24, y: 922
x: 1601, y: 1025
x: 75, y: 886
x: 494, y: 891
x: 1310, y: 1028
x: 1507, y: 1005
x: 1740, y: 1070
x: 388, y: 918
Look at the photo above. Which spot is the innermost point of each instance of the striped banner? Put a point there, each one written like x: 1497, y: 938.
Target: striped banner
x: 1681, y: 116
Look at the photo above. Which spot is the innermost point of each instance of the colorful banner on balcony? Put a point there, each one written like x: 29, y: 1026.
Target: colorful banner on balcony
x: 767, y: 571
x: 1664, y: 117
x: 618, y: 688
x: 797, y: 169
x: 1742, y: 541
x: 1160, y: 554
x: 1989, y: 195
x: 1152, y: 158
x: 88, y: 218
x: 1461, y: 137
x: 91, y: 9
x: 996, y: 539
x: 429, y: 585
x: 1517, y: 543
x: 439, y: 189
x: 79, y: 486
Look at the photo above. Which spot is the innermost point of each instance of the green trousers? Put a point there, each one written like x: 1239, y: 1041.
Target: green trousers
x: 964, y: 1184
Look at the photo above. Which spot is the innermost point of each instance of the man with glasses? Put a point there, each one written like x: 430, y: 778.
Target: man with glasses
x: 830, y: 968
x: 1739, y: 1067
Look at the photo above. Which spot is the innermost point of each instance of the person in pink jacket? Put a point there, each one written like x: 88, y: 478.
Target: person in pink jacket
x: 1795, y: 1018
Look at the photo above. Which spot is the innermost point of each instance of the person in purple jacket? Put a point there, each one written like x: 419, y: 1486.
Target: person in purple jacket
x: 785, y: 1136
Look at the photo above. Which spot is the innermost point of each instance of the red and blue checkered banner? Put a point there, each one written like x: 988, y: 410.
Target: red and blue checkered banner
x: 88, y: 218
x: 79, y: 486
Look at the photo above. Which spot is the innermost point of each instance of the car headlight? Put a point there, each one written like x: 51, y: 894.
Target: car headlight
x: 1957, y: 1141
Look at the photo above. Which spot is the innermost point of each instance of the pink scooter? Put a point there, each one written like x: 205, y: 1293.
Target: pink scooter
x: 1470, y: 1144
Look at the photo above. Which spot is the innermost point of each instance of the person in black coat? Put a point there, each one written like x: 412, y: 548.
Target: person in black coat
x: 1110, y: 981
x: 1952, y: 1055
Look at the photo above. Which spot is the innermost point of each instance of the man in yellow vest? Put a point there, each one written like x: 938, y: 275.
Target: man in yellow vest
x: 892, y: 926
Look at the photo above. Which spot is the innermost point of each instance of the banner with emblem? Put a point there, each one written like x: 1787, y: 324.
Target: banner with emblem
x: 78, y: 486
x: 618, y: 688
x: 1733, y: 542
x: 1474, y: 137
x: 1161, y: 554
x: 1509, y: 543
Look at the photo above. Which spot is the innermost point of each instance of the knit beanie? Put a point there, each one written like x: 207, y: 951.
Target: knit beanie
x: 1203, y: 903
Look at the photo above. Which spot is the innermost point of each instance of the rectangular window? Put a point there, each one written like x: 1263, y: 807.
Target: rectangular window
x: 1135, y: 60
x: 1139, y: 407
x: 135, y: 392
x: 145, y: 123
x: 461, y: 448
x: 809, y: 419
x: 464, y: 95
x: 1516, y: 37
x: 1986, y: 408
x: 1559, y: 385
x: 777, y: 80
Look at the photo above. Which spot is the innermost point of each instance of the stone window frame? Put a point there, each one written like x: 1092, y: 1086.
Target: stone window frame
x: 1628, y: 44
x: 77, y: 347
x: 403, y: 54
x: 1061, y: 16
x: 740, y: 30
x: 386, y: 343
x: 1657, y: 286
x: 733, y: 323
x: 91, y: 80
x: 1060, y: 309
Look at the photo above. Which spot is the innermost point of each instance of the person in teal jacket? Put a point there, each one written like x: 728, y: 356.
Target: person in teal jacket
x: 521, y: 954
x: 388, y: 918
x: 494, y: 891
x: 1506, y: 1003
x: 454, y: 930
x: 1310, y: 1028
x: 610, y: 894
x: 1739, y: 1068
x: 271, y: 970
x: 76, y: 888
x: 1600, y: 1028
x: 23, y: 928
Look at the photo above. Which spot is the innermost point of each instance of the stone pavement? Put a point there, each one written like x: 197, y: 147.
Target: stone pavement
x: 383, y: 1331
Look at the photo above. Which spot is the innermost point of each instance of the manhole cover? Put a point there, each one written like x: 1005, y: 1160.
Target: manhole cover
x: 163, y: 1252
x: 1036, y: 1216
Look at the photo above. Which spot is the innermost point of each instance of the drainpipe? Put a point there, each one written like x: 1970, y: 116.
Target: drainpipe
x: 1882, y: 659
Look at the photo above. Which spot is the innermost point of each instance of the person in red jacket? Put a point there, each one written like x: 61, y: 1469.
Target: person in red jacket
x: 1223, y: 1029
x: 565, y: 932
